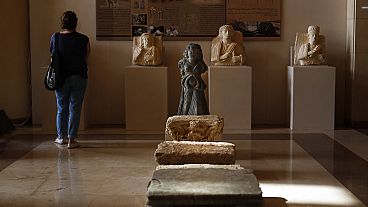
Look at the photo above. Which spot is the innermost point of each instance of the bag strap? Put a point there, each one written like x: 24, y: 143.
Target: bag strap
x: 56, y: 42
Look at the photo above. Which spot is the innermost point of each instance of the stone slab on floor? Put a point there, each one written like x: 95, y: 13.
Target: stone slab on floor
x: 188, y: 152
x: 194, y: 128
x: 203, y: 185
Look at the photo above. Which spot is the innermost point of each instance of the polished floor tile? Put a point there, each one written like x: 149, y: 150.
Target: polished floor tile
x: 348, y: 168
x: 14, y: 147
x: 314, y: 170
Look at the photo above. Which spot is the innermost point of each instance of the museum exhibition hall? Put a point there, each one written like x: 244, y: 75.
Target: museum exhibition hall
x: 173, y: 103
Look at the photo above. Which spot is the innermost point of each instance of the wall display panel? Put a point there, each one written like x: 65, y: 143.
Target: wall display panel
x: 183, y: 19
x: 256, y: 19
x: 195, y: 18
x: 113, y: 19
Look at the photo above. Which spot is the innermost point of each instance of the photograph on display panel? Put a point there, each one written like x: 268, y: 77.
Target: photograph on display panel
x: 256, y: 19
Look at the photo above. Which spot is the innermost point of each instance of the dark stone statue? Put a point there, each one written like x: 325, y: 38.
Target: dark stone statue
x: 192, y: 99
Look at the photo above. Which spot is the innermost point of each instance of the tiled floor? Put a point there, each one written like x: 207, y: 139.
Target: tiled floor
x: 311, y: 169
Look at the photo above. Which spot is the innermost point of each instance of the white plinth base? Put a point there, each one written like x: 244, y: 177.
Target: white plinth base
x: 312, y: 97
x: 230, y: 95
x: 146, y: 98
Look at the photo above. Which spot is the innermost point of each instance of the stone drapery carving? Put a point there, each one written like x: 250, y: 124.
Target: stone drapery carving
x: 310, y: 48
x: 192, y: 98
x: 227, y: 48
x: 147, y: 50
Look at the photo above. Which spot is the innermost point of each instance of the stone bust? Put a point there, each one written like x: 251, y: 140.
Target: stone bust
x: 310, y: 48
x: 147, y: 50
x: 227, y: 48
x: 192, y: 98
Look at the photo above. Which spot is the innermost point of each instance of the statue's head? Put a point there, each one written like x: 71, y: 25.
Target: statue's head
x: 313, y: 33
x: 193, y: 52
x: 226, y: 32
x: 147, y: 40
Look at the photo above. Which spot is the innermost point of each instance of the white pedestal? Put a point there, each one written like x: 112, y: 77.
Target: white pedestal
x: 230, y: 95
x: 146, y: 98
x: 312, y: 97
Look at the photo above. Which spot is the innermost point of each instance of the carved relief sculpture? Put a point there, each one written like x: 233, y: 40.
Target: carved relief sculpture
x: 227, y: 48
x: 147, y: 50
x: 203, y: 128
x: 192, y: 98
x: 310, y: 48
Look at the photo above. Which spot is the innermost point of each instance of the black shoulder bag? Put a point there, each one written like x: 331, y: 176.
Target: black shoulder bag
x: 54, y: 78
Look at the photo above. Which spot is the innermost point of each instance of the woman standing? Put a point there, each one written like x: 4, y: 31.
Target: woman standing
x: 73, y: 48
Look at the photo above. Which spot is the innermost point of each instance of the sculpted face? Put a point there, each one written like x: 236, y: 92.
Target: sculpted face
x: 147, y: 41
x: 312, y: 35
x: 226, y: 33
x: 193, y: 55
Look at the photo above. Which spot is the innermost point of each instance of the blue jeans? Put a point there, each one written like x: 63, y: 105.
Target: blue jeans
x: 69, y: 100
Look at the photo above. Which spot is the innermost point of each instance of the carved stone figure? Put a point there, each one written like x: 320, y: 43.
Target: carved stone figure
x: 192, y: 99
x: 227, y: 48
x: 147, y: 50
x: 310, y: 48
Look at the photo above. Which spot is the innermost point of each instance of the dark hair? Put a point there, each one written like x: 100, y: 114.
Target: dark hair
x: 69, y: 20
x: 194, y: 47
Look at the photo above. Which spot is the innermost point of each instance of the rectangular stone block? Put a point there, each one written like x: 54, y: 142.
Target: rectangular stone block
x: 203, y: 185
x: 194, y: 128
x: 188, y: 152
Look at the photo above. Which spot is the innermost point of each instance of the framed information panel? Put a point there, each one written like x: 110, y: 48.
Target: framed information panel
x: 180, y: 19
x: 256, y: 19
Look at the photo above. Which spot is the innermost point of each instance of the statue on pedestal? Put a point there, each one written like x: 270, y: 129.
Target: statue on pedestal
x: 147, y: 50
x: 192, y: 98
x: 310, y: 48
x: 227, y: 48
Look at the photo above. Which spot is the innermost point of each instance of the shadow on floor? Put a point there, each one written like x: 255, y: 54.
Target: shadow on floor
x: 14, y: 147
x: 274, y: 202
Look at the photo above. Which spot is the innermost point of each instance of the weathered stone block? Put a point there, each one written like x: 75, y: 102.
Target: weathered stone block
x: 203, y: 185
x: 188, y: 152
x: 194, y: 128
